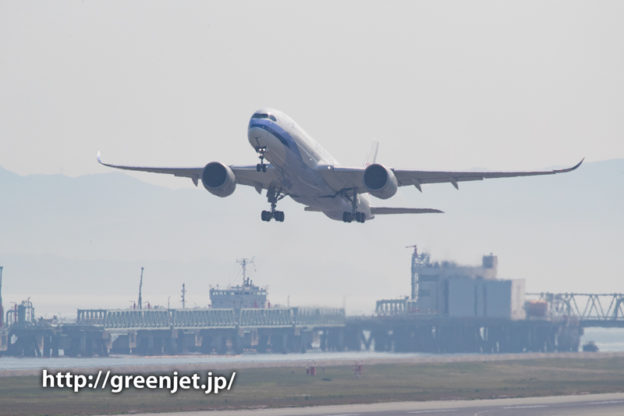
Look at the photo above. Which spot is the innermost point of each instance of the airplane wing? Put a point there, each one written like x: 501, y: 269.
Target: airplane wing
x: 419, y: 177
x: 353, y: 178
x: 245, y: 175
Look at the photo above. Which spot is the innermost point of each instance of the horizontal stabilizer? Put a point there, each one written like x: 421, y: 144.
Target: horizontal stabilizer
x: 387, y: 210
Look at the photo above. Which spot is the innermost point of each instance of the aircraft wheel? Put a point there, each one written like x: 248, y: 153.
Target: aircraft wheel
x: 347, y: 217
x: 360, y: 217
x: 279, y: 216
x: 265, y: 215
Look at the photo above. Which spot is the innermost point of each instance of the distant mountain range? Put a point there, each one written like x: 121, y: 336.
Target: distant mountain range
x: 79, y: 242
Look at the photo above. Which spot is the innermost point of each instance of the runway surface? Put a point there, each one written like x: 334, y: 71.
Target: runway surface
x: 611, y: 404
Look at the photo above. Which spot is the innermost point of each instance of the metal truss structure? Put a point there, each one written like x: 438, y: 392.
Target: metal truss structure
x: 592, y: 309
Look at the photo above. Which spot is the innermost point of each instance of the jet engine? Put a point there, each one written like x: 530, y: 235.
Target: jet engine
x: 380, y: 181
x: 218, y: 179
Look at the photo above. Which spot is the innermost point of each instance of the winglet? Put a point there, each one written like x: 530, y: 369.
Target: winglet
x: 570, y: 169
x: 575, y: 166
x: 99, y: 157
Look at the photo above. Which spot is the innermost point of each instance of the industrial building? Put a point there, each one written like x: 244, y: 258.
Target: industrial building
x: 451, y: 308
x: 239, y: 319
x: 462, y: 308
x: 246, y: 295
x: 458, y: 291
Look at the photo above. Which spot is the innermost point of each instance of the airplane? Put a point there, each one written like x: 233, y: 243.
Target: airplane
x: 303, y: 170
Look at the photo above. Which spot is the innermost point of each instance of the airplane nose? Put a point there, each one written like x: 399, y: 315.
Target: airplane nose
x: 256, y: 142
x: 255, y: 137
x: 260, y: 138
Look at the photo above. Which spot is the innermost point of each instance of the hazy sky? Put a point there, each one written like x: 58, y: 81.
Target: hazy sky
x: 441, y: 84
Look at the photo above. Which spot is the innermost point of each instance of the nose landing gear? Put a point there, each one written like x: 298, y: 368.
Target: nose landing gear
x: 261, y: 167
x: 273, y: 196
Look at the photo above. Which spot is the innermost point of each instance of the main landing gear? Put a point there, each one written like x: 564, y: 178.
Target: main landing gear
x: 354, y: 214
x: 267, y: 215
x: 273, y: 196
x: 350, y: 216
x: 261, y: 167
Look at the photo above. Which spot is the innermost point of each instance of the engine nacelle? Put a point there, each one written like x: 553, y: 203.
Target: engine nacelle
x: 380, y: 181
x: 218, y: 179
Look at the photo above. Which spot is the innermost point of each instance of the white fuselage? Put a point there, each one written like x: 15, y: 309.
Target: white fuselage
x: 298, y: 158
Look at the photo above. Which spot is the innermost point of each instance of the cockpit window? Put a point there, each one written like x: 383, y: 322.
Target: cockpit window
x: 264, y: 115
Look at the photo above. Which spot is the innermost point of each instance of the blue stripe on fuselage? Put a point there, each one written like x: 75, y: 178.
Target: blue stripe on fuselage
x: 282, y: 135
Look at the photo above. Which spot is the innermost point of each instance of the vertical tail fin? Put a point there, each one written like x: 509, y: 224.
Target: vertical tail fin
x: 372, y: 154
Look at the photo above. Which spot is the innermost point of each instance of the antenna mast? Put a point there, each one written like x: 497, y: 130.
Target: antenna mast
x: 140, y: 303
x: 414, y: 294
x: 244, y: 262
